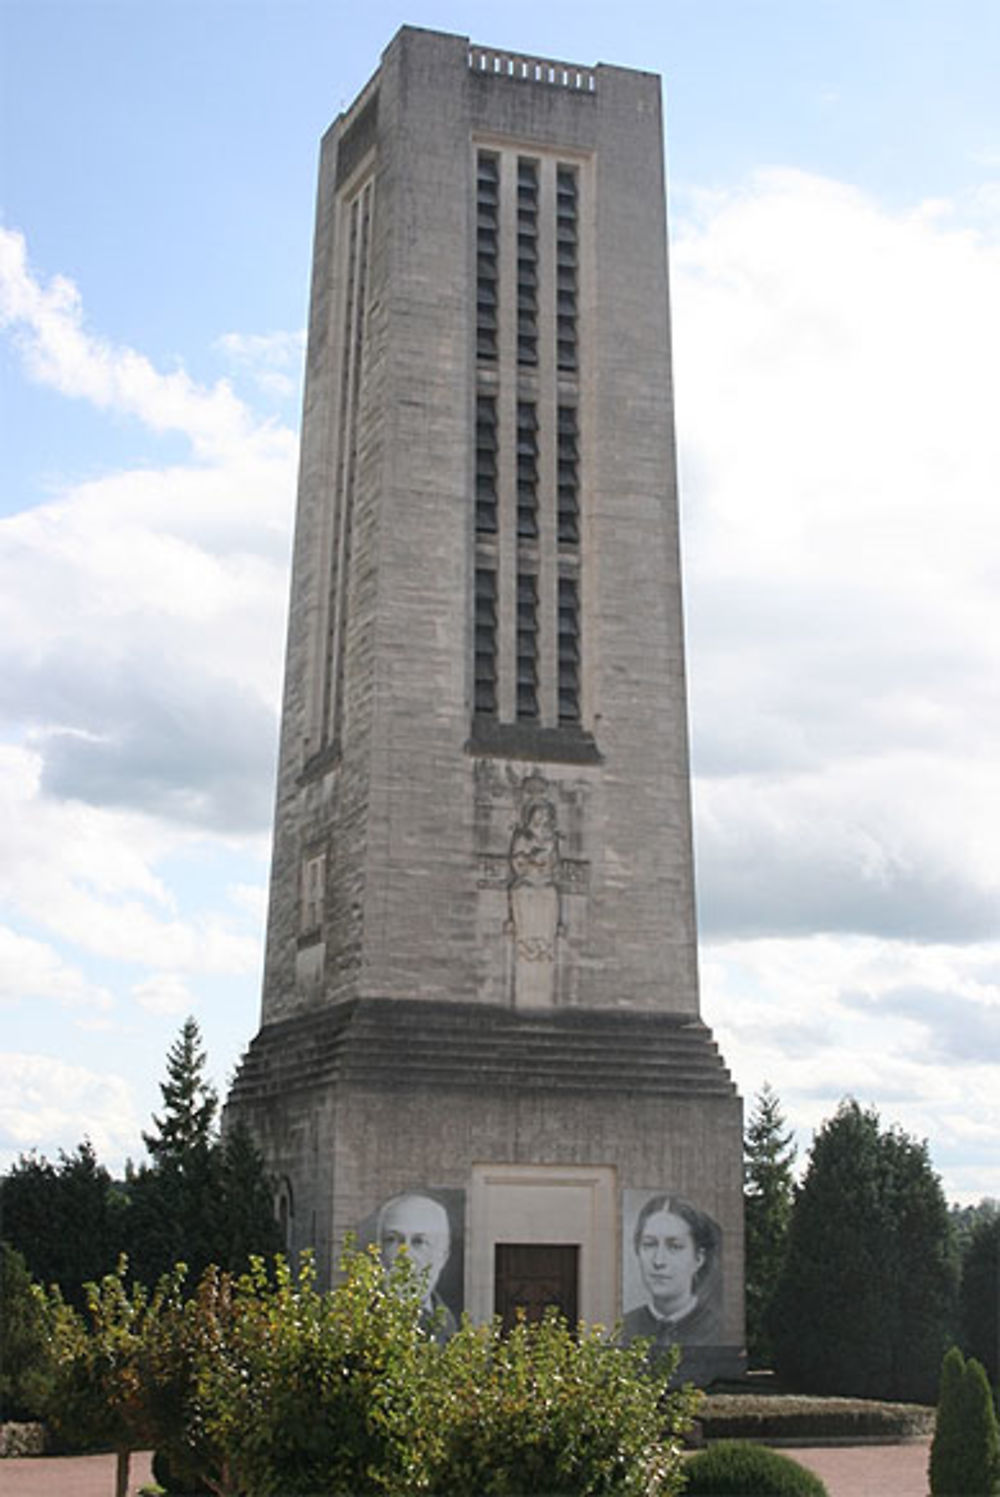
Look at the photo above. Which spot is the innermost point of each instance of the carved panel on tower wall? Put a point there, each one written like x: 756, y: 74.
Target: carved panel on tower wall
x: 533, y: 884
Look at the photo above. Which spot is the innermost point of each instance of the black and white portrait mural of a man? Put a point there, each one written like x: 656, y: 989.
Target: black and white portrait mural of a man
x: 428, y: 1226
x: 672, y: 1271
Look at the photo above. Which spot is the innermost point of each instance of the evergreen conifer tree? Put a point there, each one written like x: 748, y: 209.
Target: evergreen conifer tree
x: 979, y: 1426
x: 190, y: 1103
x: 248, y: 1224
x: 769, y: 1156
x: 865, y: 1301
x: 65, y: 1218
x: 202, y: 1199
x: 980, y: 1294
x: 965, y: 1451
x: 947, y: 1459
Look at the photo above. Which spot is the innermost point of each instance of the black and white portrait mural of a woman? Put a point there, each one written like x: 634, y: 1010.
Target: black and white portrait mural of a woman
x: 428, y: 1226
x: 672, y: 1271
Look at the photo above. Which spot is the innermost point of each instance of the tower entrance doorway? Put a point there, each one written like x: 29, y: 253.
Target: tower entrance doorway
x: 532, y: 1276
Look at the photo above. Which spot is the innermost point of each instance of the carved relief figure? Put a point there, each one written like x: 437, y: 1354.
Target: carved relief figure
x: 535, y: 914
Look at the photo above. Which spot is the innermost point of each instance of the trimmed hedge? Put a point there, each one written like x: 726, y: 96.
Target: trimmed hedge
x: 735, y: 1468
x: 776, y: 1416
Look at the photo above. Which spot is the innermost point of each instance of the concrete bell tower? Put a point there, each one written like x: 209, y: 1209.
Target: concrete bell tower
x: 480, y: 1006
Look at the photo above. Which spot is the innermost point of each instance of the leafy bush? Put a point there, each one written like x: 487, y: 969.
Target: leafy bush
x: 100, y: 1391
x: 292, y: 1391
x: 25, y: 1365
x: 263, y: 1386
x: 173, y: 1482
x: 735, y: 1468
x: 965, y: 1451
x: 541, y: 1410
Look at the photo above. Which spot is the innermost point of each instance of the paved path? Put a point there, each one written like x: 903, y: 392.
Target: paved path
x: 69, y: 1475
x: 848, y: 1470
x: 869, y: 1470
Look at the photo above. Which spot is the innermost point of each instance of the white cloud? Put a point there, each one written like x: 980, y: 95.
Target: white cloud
x: 911, y: 1029
x: 142, y: 613
x: 164, y: 993
x: 836, y: 369
x: 89, y: 876
x: 272, y: 360
x: 141, y: 628
x: 31, y: 970
x: 252, y: 898
x: 49, y: 325
x: 48, y: 1105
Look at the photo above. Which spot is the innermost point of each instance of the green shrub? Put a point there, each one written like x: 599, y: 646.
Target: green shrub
x: 25, y: 1365
x: 290, y: 1391
x: 170, y: 1481
x: 965, y: 1451
x: 543, y: 1410
x: 947, y: 1459
x: 735, y: 1468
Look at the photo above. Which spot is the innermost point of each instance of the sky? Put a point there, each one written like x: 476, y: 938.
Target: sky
x: 834, y: 219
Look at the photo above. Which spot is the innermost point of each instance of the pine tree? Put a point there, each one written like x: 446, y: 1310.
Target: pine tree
x: 201, y: 1199
x: 190, y: 1104
x: 769, y: 1157
x: 175, y: 1200
x: 866, y: 1297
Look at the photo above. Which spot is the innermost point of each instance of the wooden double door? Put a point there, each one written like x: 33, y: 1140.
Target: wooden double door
x: 532, y: 1276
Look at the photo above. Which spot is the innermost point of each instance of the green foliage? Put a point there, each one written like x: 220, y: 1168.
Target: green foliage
x: 769, y: 1155
x: 264, y: 1386
x: 866, y: 1297
x: 947, y: 1447
x: 299, y: 1392
x: 545, y: 1410
x: 64, y: 1219
x: 979, y: 1299
x: 965, y: 1451
x: 247, y: 1226
x: 189, y: 1102
x: 735, y: 1468
x: 171, y: 1481
x: 24, y: 1364
x: 966, y: 1219
x: 201, y: 1200
x: 981, y: 1431
x: 101, y: 1392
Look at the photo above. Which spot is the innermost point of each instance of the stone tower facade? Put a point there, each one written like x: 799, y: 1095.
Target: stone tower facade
x: 481, y: 984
